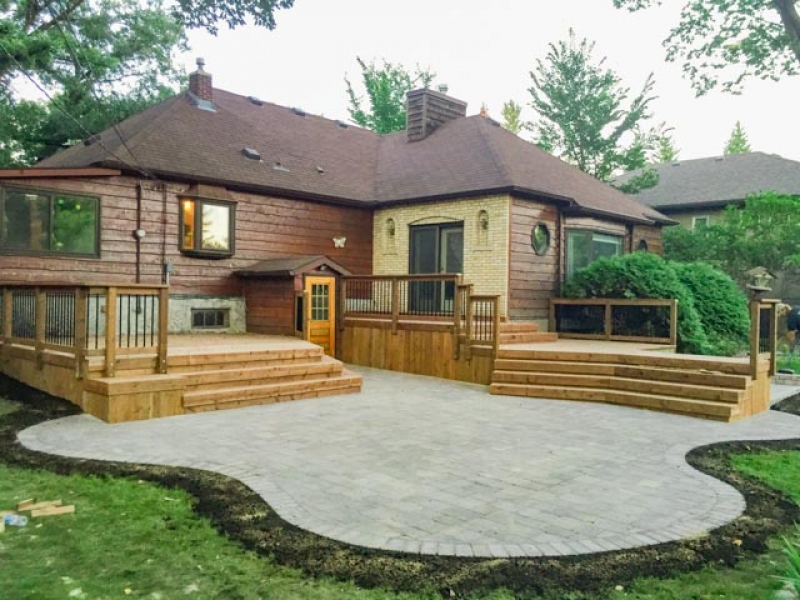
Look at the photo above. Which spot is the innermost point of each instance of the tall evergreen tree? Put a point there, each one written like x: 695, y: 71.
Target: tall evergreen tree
x: 511, y: 117
x: 737, y: 144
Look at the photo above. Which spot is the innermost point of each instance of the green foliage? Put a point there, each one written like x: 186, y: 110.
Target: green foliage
x: 665, y: 151
x: 737, y: 144
x: 642, y: 275
x: 721, y: 305
x: 386, y: 88
x: 511, y: 117
x: 761, y: 233
x: 585, y: 115
x: 728, y: 41
x: 791, y: 548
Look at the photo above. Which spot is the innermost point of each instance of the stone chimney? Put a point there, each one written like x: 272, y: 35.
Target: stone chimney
x: 201, y: 83
x: 427, y: 110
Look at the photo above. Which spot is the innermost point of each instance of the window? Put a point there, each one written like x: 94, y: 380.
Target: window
x: 207, y: 227
x: 584, y: 247
x: 701, y: 221
x: 210, y: 318
x: 540, y: 238
x: 48, y: 222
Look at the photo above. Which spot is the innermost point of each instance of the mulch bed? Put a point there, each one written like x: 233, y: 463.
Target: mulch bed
x: 242, y: 515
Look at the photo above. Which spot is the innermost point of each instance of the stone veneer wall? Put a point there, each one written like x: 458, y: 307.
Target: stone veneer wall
x: 180, y: 312
x: 486, y: 251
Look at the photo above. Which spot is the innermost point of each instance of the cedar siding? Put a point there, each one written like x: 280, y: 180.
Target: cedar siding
x: 532, y: 279
x: 265, y: 227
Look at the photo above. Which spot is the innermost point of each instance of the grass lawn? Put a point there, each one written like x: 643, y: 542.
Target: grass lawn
x: 7, y: 406
x: 135, y: 539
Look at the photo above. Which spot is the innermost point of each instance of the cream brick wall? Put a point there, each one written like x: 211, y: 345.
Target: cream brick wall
x: 486, y: 251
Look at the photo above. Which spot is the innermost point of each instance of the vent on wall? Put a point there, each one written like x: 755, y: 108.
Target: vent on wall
x: 251, y: 153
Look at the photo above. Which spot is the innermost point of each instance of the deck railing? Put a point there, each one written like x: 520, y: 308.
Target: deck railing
x: 424, y: 298
x: 641, y: 320
x: 86, y: 320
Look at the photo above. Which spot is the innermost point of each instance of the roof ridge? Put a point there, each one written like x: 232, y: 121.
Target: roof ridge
x: 129, y: 144
x: 499, y: 164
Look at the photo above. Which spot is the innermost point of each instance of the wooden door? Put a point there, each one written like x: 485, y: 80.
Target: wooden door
x: 320, y: 324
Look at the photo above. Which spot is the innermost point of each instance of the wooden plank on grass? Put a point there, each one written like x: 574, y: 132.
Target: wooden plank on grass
x: 53, y: 510
x: 41, y: 505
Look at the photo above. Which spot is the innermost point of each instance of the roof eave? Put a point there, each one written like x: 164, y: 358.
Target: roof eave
x: 46, y: 172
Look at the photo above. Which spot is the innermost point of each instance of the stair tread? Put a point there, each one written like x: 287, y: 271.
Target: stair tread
x: 344, y: 379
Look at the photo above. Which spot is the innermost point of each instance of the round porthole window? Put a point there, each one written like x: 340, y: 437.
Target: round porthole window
x: 642, y: 246
x: 540, y: 238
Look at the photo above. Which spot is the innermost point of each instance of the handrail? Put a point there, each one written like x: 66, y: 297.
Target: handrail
x: 608, y: 305
x: 82, y: 320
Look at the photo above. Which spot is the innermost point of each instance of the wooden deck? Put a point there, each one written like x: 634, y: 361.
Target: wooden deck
x: 205, y: 372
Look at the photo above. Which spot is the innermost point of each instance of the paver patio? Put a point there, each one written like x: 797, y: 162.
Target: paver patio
x: 418, y: 464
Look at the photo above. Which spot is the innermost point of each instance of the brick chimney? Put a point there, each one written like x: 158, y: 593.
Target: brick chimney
x: 201, y: 83
x: 427, y: 110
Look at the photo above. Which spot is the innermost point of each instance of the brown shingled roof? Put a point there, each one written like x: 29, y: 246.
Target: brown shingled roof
x: 319, y: 158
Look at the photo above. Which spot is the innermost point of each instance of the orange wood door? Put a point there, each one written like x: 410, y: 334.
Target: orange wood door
x: 320, y: 327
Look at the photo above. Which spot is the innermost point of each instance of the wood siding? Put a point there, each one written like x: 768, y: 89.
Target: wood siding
x: 270, y: 306
x: 265, y: 227
x: 532, y: 279
x: 651, y: 235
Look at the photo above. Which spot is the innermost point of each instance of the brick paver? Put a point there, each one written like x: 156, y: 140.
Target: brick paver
x: 417, y: 464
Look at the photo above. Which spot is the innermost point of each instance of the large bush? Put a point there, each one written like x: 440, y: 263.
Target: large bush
x: 721, y: 305
x: 643, y: 275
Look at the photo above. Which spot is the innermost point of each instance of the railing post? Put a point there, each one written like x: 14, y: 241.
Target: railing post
x: 469, y: 325
x: 40, y: 321
x: 552, y: 323
x: 81, y: 299
x: 607, y: 320
x: 111, y: 331
x: 457, y: 320
x: 163, y: 329
x: 8, y: 315
x: 755, y: 334
x: 395, y: 304
x: 773, y: 339
x: 673, y: 322
x: 495, y: 326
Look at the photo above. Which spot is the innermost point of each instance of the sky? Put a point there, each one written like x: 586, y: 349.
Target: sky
x: 484, y: 52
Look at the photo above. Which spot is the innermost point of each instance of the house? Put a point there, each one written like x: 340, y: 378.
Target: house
x: 696, y: 192
x: 240, y: 205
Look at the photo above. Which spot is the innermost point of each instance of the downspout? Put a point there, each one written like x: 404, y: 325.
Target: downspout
x: 136, y: 234
x: 165, y: 267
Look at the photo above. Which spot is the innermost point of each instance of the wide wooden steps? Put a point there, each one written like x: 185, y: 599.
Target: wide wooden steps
x: 520, y: 332
x: 216, y: 378
x: 709, y: 387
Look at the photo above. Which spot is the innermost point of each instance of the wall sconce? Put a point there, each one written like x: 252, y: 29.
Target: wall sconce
x: 139, y: 234
x: 390, y: 227
x: 484, y: 221
x: 338, y: 242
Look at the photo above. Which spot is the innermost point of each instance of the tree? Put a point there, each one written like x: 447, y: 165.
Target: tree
x: 585, y: 116
x: 97, y: 61
x: 511, y: 117
x: 761, y: 233
x: 728, y: 41
x: 386, y: 88
x: 666, y: 151
x: 737, y: 144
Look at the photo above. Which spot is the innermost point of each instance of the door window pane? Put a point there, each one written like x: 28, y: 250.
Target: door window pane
x: 424, y: 242
x: 320, y: 301
x: 74, y: 224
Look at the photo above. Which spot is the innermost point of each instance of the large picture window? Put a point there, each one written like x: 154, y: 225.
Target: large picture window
x: 584, y: 247
x: 206, y: 227
x: 44, y: 222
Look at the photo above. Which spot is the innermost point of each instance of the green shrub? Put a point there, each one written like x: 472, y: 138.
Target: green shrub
x: 642, y: 275
x: 721, y: 305
x: 791, y: 548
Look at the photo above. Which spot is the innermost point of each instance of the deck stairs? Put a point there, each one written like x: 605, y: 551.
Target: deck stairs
x: 709, y: 387
x: 220, y: 380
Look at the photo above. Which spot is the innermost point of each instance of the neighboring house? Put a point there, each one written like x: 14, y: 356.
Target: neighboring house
x: 237, y: 203
x: 696, y: 192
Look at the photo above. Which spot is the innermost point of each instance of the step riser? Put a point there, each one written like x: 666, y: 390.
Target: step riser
x: 260, y: 376
x: 722, y: 412
x: 528, y: 338
x: 224, y: 405
x: 621, y: 384
x: 250, y: 393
